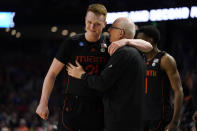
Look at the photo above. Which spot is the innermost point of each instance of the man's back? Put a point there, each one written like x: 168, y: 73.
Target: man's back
x: 124, y: 101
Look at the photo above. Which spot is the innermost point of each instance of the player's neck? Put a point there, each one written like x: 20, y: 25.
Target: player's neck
x: 152, y: 54
x: 91, y: 38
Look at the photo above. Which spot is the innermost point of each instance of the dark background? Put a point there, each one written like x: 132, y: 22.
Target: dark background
x: 24, y: 61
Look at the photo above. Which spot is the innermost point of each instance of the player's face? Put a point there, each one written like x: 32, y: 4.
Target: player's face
x: 115, y: 32
x: 143, y: 36
x: 94, y: 23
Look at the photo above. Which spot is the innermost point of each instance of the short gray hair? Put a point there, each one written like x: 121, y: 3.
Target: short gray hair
x: 128, y: 26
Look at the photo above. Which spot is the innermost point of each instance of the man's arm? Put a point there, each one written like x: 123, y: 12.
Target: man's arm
x: 42, y: 109
x: 141, y: 45
x: 169, y: 65
x: 116, y: 66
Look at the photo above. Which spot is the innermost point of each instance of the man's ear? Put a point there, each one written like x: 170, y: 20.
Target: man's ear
x: 122, y: 34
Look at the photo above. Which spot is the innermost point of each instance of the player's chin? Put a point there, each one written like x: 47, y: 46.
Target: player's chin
x: 92, y: 32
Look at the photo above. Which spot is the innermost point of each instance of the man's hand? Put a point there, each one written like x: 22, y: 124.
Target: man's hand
x: 194, y: 117
x: 43, y: 111
x: 172, y: 126
x: 75, y: 71
x: 116, y: 45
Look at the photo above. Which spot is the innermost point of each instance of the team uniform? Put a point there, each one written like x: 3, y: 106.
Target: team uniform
x: 122, y: 83
x: 82, y: 108
x: 158, y: 108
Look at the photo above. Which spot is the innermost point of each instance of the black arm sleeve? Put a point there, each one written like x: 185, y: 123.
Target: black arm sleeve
x: 116, y: 66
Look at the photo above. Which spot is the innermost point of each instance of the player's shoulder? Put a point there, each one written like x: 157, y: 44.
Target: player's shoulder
x: 168, y: 58
x: 78, y: 37
x: 168, y: 61
x: 73, y: 39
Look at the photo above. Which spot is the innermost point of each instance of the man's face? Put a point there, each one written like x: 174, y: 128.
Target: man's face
x: 143, y: 36
x: 94, y: 23
x: 115, y: 32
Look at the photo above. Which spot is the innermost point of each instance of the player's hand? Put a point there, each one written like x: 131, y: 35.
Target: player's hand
x: 43, y: 111
x: 194, y: 117
x: 75, y: 71
x: 116, y: 45
x: 172, y: 126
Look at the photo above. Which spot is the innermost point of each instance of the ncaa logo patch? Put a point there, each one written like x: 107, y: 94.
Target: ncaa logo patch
x: 81, y: 43
x: 155, y: 61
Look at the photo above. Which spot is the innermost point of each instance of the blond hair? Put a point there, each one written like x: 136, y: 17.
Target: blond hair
x: 97, y: 9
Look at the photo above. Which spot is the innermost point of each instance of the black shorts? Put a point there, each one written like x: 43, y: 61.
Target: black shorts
x: 81, y: 113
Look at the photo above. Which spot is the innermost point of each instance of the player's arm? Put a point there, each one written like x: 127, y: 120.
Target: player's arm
x: 55, y: 68
x: 194, y: 97
x: 113, y: 71
x: 141, y: 45
x: 194, y: 117
x: 169, y: 65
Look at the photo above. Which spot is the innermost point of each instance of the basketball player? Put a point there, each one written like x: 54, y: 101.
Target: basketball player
x: 161, y: 76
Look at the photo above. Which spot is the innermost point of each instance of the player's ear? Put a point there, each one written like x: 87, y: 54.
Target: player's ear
x: 105, y: 23
x: 150, y: 40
